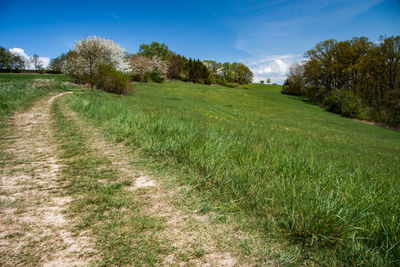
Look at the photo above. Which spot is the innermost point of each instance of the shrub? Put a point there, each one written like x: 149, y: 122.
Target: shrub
x: 343, y: 102
x: 288, y: 89
x: 223, y: 82
x: 111, y: 80
x: 351, y: 105
x: 333, y: 102
x: 157, y: 77
x: 314, y: 93
x: 294, y: 84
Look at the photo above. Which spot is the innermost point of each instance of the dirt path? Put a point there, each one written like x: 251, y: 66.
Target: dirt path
x: 33, y: 229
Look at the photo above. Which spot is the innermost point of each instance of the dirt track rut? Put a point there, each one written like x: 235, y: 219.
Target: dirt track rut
x: 33, y: 228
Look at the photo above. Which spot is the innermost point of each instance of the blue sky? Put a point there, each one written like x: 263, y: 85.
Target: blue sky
x: 266, y: 35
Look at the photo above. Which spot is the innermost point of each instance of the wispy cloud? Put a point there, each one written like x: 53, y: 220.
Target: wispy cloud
x: 116, y: 17
x: 262, y: 30
x: 273, y: 33
x: 21, y: 52
x: 274, y: 67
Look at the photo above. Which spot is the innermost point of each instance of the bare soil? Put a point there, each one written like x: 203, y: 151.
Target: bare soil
x: 33, y: 228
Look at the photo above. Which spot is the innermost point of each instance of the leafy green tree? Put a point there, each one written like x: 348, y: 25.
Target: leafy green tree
x: 9, y: 60
x: 227, y: 72
x: 319, y: 69
x: 176, y: 69
x: 243, y: 74
x: 56, y: 64
x: 294, y: 84
x: 240, y: 73
x: 198, y: 72
x: 224, y: 73
x: 155, y: 49
x: 213, y: 66
x: 355, y: 78
x: 383, y: 72
x: 389, y: 51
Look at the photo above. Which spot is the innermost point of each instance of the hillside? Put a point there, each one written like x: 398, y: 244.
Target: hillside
x: 323, y: 180
x: 306, y: 185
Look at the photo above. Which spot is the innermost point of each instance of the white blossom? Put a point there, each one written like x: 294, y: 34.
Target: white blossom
x: 90, y: 53
x: 141, y: 65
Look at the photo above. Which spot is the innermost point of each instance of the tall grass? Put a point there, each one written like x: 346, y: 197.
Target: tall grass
x: 18, y: 90
x: 320, y: 180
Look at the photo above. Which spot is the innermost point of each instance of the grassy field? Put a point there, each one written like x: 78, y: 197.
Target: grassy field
x: 323, y: 182
x: 20, y: 90
x: 304, y: 177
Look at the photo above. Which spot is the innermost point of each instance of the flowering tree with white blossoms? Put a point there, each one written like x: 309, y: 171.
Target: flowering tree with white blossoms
x: 92, y: 52
x: 142, y: 65
x: 160, y: 67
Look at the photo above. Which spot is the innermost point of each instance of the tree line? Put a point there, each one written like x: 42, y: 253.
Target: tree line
x: 179, y: 67
x: 153, y: 62
x: 13, y: 62
x: 356, y: 78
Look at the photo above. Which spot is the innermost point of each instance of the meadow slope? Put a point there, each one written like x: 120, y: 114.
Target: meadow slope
x: 242, y: 176
x: 325, y: 183
x: 69, y: 197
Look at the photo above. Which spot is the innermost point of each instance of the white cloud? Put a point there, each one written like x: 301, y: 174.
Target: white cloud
x: 45, y: 61
x: 19, y: 51
x: 274, y: 67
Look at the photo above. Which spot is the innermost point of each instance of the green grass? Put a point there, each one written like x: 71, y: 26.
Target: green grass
x: 326, y: 183
x: 12, y: 77
x: 17, y: 92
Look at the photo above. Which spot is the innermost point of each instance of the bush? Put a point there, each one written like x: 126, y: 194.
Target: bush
x: 157, y: 77
x: 294, y: 84
x: 292, y: 88
x: 223, y: 82
x: 111, y: 80
x: 343, y: 102
x: 333, y: 102
x: 351, y: 105
x: 315, y: 94
x: 147, y: 77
